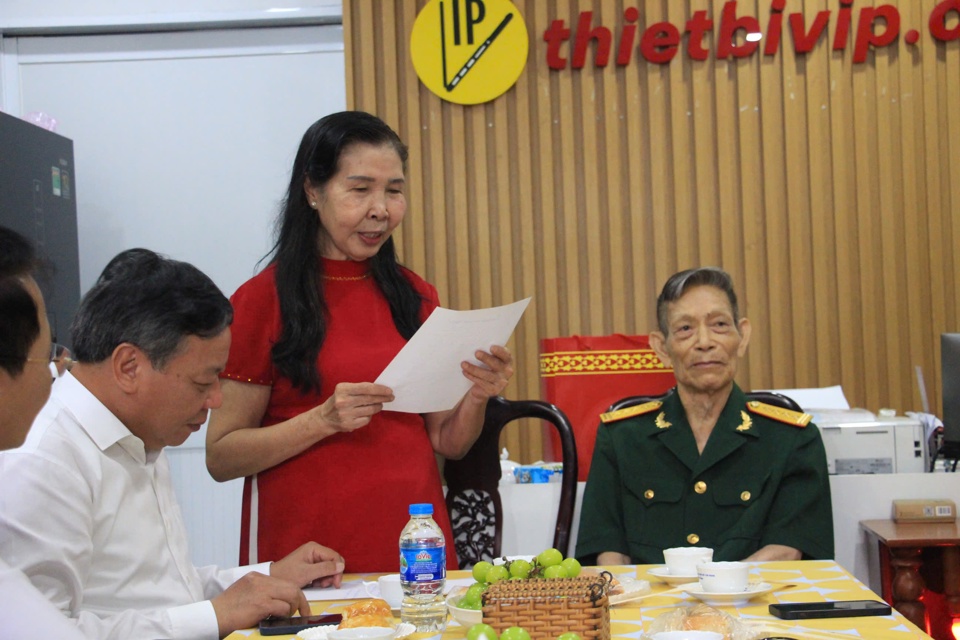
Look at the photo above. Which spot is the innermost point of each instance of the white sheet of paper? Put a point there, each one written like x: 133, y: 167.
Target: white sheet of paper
x: 822, y: 398
x: 349, y: 590
x: 426, y: 376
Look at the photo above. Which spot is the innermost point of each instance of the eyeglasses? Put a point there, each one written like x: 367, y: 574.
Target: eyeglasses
x: 60, y: 361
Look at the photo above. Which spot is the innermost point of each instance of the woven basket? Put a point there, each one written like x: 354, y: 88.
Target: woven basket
x: 547, y: 608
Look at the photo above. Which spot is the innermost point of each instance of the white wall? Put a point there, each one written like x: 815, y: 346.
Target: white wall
x: 183, y: 141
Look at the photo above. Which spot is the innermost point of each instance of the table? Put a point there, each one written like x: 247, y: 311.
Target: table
x: 901, y: 548
x: 815, y: 580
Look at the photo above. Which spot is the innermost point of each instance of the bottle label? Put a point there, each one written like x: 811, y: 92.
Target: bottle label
x: 423, y: 565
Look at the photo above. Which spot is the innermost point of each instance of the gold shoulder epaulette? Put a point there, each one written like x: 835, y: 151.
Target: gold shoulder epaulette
x: 630, y: 412
x: 793, y: 418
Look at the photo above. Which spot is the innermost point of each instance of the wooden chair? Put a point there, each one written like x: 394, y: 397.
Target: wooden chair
x: 769, y: 397
x: 473, y: 494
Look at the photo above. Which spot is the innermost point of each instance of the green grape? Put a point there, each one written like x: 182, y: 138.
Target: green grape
x: 549, y: 558
x: 555, y: 571
x: 514, y: 633
x: 496, y: 574
x: 472, y: 606
x: 480, y: 570
x: 569, y: 635
x: 472, y: 596
x: 520, y: 568
x: 572, y: 565
x: 482, y: 632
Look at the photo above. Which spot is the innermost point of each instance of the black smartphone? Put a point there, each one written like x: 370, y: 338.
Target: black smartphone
x: 839, y: 609
x: 288, y: 626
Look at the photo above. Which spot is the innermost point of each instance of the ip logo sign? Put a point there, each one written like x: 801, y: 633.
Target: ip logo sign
x: 469, y: 51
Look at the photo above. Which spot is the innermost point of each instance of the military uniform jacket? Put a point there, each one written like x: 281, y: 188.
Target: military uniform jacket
x: 759, y: 481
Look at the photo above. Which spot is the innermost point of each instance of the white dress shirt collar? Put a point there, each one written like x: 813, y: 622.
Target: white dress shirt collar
x: 103, y: 427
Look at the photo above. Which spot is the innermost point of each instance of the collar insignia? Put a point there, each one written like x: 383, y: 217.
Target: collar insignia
x: 747, y: 422
x: 661, y: 421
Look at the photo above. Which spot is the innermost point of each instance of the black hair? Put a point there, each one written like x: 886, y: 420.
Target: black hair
x: 296, y: 252
x: 678, y: 284
x: 151, y: 301
x: 19, y: 321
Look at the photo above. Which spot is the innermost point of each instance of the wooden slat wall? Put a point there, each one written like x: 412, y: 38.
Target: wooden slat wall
x: 829, y: 190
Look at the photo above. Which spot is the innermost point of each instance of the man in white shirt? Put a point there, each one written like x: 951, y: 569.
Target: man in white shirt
x: 87, y: 509
x: 24, y: 386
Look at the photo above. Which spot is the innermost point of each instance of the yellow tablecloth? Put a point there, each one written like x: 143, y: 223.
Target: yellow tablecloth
x: 816, y: 580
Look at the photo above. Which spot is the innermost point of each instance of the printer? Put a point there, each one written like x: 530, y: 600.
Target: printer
x: 859, y: 442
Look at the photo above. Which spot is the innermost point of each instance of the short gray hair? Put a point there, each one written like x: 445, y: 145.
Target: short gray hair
x: 679, y: 283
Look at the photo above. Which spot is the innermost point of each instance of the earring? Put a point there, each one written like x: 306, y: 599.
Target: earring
x: 313, y: 203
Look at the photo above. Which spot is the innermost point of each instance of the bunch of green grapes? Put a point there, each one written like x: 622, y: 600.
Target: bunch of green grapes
x: 486, y: 632
x: 549, y: 564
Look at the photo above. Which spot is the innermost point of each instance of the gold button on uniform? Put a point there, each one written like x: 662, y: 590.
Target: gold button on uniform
x: 648, y: 494
x: 693, y: 538
x: 745, y: 496
x: 700, y: 487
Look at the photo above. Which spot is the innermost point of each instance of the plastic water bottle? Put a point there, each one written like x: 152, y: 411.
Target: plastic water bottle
x: 423, y: 571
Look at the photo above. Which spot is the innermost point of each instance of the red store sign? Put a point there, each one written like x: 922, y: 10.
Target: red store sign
x: 742, y: 36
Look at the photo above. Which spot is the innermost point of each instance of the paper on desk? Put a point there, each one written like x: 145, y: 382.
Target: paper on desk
x: 349, y: 590
x: 426, y: 376
x: 823, y: 398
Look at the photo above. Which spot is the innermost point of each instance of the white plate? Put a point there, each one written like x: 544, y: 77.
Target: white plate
x: 316, y: 633
x: 662, y: 573
x: 320, y: 633
x: 754, y: 590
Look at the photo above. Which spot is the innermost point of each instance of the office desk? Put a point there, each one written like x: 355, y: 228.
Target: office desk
x: 901, y: 558
x: 816, y: 580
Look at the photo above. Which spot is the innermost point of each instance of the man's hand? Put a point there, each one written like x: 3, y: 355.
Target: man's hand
x: 310, y: 565
x: 254, y: 597
x: 773, y: 552
x: 608, y: 558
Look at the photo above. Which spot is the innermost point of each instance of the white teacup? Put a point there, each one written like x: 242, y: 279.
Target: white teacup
x: 683, y: 561
x: 390, y: 589
x: 723, y: 577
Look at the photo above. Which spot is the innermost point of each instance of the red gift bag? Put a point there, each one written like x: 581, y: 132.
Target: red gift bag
x: 583, y: 375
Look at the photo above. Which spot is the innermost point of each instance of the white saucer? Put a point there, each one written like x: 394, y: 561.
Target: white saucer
x: 662, y: 573
x: 754, y: 590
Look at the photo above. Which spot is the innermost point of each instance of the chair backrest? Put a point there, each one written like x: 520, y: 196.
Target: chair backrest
x: 473, y: 495
x: 769, y: 397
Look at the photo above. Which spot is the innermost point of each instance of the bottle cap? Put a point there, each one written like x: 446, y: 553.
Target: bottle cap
x: 422, y: 509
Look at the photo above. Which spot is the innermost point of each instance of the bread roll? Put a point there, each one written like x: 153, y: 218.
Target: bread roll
x: 367, y: 613
x: 365, y: 620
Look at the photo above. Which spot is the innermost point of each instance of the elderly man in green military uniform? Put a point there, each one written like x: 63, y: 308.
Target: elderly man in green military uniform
x: 705, y: 467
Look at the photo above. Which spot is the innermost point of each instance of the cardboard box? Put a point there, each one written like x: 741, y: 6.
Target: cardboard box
x: 924, y: 511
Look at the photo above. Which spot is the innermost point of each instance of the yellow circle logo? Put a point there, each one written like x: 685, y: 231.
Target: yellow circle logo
x: 469, y: 51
